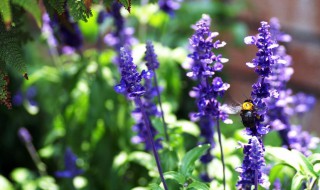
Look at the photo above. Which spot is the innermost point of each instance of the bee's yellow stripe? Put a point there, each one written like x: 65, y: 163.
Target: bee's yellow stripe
x: 248, y: 106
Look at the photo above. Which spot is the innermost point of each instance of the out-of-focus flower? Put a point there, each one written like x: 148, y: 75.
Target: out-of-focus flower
x: 71, y: 169
x: 24, y: 135
x: 29, y: 97
x: 169, y: 6
x: 287, y: 106
x: 102, y: 16
x: 121, y: 36
x: 277, y: 184
x: 252, y: 166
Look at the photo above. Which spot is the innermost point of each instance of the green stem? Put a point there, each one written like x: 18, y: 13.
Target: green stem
x: 222, y: 155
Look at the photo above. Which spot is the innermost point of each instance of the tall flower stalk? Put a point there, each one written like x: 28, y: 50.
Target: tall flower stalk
x: 26, y: 138
x: 130, y: 85
x: 204, y: 64
x: 252, y: 174
x: 153, y: 64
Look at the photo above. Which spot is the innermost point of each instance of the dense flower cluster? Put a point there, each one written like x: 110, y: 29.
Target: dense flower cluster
x: 169, y: 6
x: 203, y: 64
x: 131, y: 78
x: 71, y: 169
x: 253, y: 163
x: 122, y: 35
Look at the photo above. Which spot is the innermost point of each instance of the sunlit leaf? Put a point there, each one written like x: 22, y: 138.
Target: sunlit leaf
x: 198, y: 185
x: 188, y: 161
x: 297, y: 181
x: 178, y: 177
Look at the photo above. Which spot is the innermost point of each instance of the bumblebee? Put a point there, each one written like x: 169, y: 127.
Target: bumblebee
x: 247, y: 112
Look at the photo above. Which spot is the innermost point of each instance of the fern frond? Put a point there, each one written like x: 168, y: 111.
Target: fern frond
x: 32, y: 7
x: 11, y: 49
x: 5, y: 95
x: 5, y: 12
x: 58, y: 5
x: 78, y: 10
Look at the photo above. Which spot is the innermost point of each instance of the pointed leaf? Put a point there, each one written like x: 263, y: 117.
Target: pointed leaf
x: 297, y: 181
x: 154, y: 186
x: 178, y: 177
x: 304, y: 163
x: 283, y: 154
x: 314, y: 158
x: 187, y: 164
x: 198, y: 185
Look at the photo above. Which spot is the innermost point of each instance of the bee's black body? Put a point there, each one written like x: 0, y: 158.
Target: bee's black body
x: 248, y: 114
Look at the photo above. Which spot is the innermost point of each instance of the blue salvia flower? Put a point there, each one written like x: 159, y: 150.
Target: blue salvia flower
x: 122, y: 35
x: 130, y: 85
x: 71, y: 169
x: 262, y: 65
x: 252, y: 165
x: 203, y: 64
x: 169, y: 6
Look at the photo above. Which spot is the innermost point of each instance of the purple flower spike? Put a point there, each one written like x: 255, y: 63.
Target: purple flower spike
x: 203, y: 66
x: 24, y: 135
x: 252, y: 166
x: 130, y: 81
x: 71, y: 169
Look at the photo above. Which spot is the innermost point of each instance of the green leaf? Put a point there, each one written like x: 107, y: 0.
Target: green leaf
x: 198, y: 185
x: 283, y: 154
x: 126, y: 4
x: 169, y: 160
x: 178, y: 177
x: 304, y: 163
x: 5, y: 11
x: 297, y: 181
x: 79, y: 10
x: 155, y: 186
x: 314, y: 158
x: 187, y: 164
x: 32, y: 7
x: 5, y: 184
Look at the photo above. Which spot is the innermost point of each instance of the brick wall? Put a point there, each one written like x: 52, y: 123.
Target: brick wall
x: 300, y: 19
